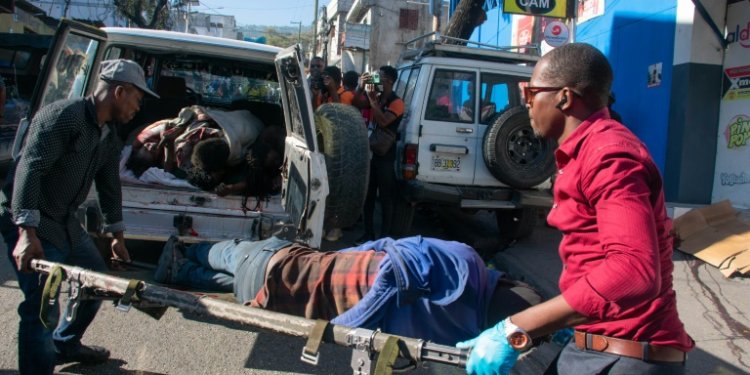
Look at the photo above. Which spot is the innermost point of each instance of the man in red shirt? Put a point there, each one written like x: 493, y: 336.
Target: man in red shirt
x: 616, y: 249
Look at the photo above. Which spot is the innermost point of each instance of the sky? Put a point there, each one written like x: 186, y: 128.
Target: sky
x: 263, y: 12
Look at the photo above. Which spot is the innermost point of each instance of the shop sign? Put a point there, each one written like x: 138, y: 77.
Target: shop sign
x: 737, y: 133
x: 556, y: 33
x: 740, y: 33
x: 732, y: 178
x: 546, y: 8
x: 739, y: 83
x: 588, y: 9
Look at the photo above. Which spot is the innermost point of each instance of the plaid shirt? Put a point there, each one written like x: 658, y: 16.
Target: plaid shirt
x: 317, y: 285
x: 65, y: 152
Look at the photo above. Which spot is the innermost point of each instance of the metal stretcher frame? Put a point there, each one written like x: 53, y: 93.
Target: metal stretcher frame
x: 365, y: 343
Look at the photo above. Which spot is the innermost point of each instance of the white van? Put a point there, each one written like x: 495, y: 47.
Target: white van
x: 324, y: 169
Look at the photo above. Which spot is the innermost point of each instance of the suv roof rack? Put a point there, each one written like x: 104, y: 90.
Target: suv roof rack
x: 441, y: 45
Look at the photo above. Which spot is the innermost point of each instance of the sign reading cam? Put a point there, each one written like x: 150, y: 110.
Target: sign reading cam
x: 547, y: 8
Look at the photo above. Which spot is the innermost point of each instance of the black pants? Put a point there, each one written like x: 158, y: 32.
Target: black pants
x: 382, y: 185
x: 574, y: 361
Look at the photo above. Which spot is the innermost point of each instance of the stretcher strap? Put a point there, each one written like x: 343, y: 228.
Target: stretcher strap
x: 129, y: 294
x: 49, y: 295
x: 387, y: 356
x: 310, y: 351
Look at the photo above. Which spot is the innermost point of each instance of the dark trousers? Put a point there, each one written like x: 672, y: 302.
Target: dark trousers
x: 382, y: 185
x: 36, y: 348
x: 574, y: 361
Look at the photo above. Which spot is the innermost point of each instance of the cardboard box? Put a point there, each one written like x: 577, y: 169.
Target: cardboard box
x: 716, y: 235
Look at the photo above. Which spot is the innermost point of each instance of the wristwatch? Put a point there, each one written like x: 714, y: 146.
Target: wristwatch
x: 517, y: 337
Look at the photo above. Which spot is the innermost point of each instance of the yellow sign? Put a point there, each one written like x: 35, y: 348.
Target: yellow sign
x: 546, y: 8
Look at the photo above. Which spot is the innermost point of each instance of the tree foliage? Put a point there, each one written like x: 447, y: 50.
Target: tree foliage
x: 278, y: 39
x: 145, y: 14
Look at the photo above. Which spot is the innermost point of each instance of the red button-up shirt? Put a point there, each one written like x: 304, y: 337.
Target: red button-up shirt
x: 616, y: 248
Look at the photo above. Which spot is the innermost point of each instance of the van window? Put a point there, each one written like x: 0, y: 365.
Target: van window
x: 452, y: 97
x: 499, y: 92
x: 67, y: 77
x: 410, y: 85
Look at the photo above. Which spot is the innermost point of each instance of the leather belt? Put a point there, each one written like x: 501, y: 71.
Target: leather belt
x: 628, y: 348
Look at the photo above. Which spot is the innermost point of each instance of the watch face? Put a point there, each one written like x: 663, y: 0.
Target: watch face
x: 519, y: 341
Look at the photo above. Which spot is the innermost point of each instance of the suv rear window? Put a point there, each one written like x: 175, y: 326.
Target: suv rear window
x: 452, y: 96
x: 499, y: 93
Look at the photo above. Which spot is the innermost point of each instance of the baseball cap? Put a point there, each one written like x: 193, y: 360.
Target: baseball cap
x: 126, y: 71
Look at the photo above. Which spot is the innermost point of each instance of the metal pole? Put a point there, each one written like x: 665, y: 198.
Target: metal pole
x: 315, y: 30
x: 299, y: 32
x: 187, y: 18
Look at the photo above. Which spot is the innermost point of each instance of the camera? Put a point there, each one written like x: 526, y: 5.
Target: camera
x: 374, y: 78
x: 316, y: 81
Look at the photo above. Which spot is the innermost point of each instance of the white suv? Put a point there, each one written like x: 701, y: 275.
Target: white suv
x: 324, y: 165
x: 465, y: 138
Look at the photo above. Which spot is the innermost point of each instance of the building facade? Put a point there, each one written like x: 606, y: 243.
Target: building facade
x: 363, y: 35
x: 674, y: 82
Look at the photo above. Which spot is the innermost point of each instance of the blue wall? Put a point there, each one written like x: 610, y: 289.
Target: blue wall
x: 633, y: 34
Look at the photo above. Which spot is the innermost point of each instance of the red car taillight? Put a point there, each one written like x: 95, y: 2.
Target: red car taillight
x: 409, y: 166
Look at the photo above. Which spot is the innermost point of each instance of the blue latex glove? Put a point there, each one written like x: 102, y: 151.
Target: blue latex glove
x: 562, y: 336
x: 491, y: 353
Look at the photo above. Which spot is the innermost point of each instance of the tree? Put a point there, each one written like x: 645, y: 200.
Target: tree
x: 137, y: 10
x: 468, y: 15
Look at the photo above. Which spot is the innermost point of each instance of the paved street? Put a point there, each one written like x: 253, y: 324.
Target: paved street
x: 714, y: 309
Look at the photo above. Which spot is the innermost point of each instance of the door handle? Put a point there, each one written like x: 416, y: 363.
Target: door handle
x: 464, y: 130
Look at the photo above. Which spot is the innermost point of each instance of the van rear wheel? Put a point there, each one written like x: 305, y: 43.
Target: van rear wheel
x: 513, y: 154
x: 342, y: 137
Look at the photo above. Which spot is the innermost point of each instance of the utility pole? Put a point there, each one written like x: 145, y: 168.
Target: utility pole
x: 315, y: 29
x: 187, y: 15
x: 299, y: 32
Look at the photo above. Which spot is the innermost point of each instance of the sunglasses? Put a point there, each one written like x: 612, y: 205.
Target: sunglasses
x: 529, y: 92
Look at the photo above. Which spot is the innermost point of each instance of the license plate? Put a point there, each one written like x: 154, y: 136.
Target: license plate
x: 446, y: 163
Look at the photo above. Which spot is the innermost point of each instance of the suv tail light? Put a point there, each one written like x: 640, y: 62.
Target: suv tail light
x: 409, y: 166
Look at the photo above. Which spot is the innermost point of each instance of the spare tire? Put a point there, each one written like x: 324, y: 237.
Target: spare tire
x: 342, y: 138
x: 514, y: 154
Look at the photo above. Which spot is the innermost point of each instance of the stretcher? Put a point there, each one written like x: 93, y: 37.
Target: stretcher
x: 373, y: 351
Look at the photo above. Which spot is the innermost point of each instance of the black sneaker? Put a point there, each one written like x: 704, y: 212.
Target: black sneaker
x: 169, y: 259
x: 86, y: 355
x: 367, y: 237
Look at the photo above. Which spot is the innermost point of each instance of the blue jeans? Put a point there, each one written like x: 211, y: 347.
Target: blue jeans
x: 209, y: 266
x: 37, y: 345
x: 227, y: 266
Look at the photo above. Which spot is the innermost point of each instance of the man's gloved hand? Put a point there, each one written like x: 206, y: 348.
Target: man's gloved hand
x: 562, y: 336
x: 491, y: 353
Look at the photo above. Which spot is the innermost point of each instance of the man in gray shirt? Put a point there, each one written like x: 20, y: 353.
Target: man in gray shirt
x: 70, y: 144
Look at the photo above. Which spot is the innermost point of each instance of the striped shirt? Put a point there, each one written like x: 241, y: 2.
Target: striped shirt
x: 65, y: 152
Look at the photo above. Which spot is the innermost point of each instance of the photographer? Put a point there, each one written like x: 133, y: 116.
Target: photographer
x: 315, y: 78
x: 386, y: 112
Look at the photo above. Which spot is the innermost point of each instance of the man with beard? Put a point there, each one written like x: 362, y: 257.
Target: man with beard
x: 70, y: 144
